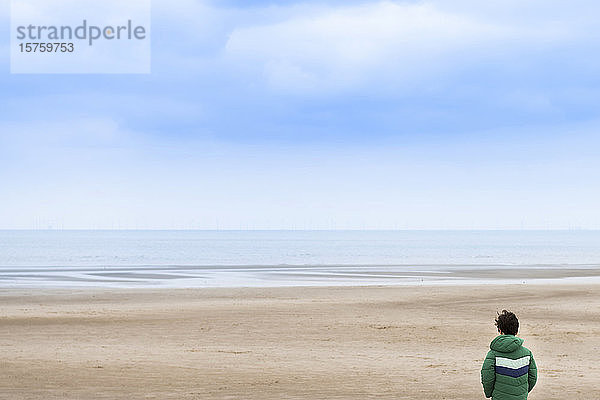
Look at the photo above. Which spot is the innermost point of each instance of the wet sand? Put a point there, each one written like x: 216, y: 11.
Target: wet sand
x: 404, y: 342
x: 178, y: 277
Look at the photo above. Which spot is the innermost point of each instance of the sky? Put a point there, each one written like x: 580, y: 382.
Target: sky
x: 317, y: 115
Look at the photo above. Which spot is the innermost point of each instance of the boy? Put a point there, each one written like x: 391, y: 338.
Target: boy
x: 509, y: 371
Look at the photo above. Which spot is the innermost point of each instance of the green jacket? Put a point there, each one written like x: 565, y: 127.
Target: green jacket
x: 509, y: 371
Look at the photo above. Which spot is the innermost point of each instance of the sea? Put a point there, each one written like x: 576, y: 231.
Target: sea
x: 188, y: 259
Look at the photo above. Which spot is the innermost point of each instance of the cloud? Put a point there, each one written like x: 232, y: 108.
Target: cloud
x: 357, y: 72
x: 73, y: 145
x: 385, y: 42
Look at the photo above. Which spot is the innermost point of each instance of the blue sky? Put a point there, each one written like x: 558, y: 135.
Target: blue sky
x: 318, y: 115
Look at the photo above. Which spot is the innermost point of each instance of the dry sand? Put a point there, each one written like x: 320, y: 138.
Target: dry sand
x: 290, y: 343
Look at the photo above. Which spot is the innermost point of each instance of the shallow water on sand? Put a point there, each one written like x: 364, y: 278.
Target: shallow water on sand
x: 276, y: 258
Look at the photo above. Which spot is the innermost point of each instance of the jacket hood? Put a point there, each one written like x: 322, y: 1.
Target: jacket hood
x: 506, y: 343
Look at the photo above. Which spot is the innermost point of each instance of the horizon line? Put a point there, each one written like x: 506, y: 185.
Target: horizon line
x: 300, y: 230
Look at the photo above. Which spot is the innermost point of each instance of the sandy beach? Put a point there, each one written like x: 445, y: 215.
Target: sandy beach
x: 423, y: 342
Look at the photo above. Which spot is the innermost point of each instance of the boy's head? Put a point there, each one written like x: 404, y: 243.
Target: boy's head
x: 507, y: 323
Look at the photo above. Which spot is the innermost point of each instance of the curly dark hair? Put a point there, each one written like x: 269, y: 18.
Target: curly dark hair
x: 507, y: 323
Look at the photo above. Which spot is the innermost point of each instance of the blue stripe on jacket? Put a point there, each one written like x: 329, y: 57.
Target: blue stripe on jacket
x: 515, y: 373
